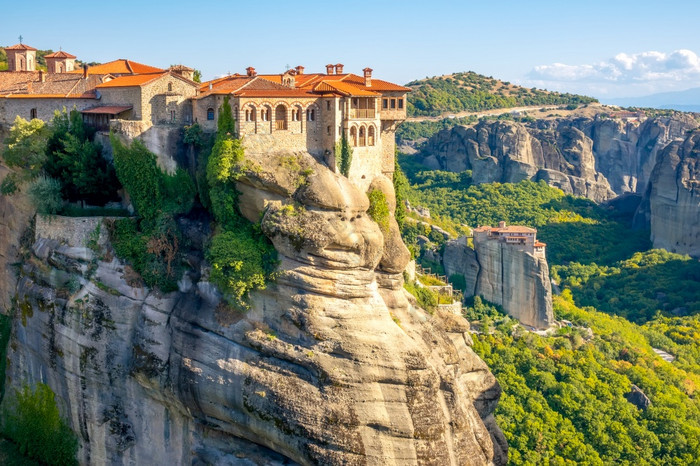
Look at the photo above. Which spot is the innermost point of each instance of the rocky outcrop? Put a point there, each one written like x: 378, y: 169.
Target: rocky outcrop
x: 505, y: 275
x: 596, y: 158
x: 671, y: 205
x: 318, y: 371
x: 638, y: 398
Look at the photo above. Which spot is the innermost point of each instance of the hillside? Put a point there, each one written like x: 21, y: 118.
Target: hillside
x: 593, y: 391
x: 470, y: 91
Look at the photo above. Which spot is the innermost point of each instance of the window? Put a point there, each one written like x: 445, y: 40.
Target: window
x: 385, y: 103
x: 400, y: 103
x: 370, y: 136
x: 328, y: 105
x: 353, y: 136
x: 172, y: 116
x: 265, y: 114
x: 362, y: 136
x: 311, y: 114
x: 328, y: 130
x: 296, y: 114
x: 170, y: 87
x: 249, y: 114
x: 393, y: 103
x: 210, y: 113
x: 32, y: 113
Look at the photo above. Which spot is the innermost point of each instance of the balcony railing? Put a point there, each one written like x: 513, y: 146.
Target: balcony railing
x: 362, y: 113
x: 280, y: 124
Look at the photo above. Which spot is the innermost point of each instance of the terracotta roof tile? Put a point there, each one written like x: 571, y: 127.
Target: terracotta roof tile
x: 131, y: 80
x: 121, y: 66
x: 343, y: 88
x: 108, y: 109
x: 516, y: 229
x: 59, y: 54
x: 19, y: 47
x: 28, y: 85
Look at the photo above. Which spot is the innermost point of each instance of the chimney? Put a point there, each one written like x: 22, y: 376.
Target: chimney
x: 368, y: 77
x: 339, y: 68
x: 250, y: 71
x: 42, y: 78
x: 329, y: 69
x: 85, y: 70
x: 300, y: 69
x: 211, y: 86
x: 501, y: 224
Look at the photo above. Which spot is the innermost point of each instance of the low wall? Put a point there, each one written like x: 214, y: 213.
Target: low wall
x: 73, y: 231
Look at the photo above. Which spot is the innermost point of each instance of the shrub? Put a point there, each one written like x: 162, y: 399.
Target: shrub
x: 241, y: 261
x: 31, y: 419
x: 343, y: 155
x: 379, y: 209
x: 45, y: 194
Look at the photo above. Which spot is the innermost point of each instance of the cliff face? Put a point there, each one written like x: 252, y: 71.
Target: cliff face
x: 595, y: 158
x: 318, y: 371
x: 671, y: 204
x: 502, y: 274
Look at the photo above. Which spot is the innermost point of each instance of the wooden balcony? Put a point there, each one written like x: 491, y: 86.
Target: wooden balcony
x: 362, y: 113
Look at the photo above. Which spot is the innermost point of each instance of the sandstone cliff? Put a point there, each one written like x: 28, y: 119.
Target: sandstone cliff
x: 500, y: 273
x: 596, y: 158
x: 671, y: 204
x: 318, y: 371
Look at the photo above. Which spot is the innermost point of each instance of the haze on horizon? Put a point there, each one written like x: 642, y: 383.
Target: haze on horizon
x: 599, y: 48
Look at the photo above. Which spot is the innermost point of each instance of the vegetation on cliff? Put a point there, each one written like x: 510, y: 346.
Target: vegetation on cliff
x: 31, y: 420
x: 470, y: 91
x: 565, y: 397
x: 242, y: 258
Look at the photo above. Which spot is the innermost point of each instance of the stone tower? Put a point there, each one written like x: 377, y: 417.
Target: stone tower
x: 21, y: 57
x: 60, y: 62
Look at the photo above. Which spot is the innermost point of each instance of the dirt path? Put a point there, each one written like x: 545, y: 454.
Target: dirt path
x: 537, y: 111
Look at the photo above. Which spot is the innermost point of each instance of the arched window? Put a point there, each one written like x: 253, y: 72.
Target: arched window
x: 362, y: 136
x: 281, y: 117
x: 296, y: 113
x: 265, y: 113
x: 60, y: 68
x: 370, y: 136
x: 311, y: 114
x: 353, y: 136
x: 210, y: 113
x: 170, y: 87
x: 250, y: 114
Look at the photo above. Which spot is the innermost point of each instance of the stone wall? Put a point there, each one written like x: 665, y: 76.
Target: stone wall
x: 74, y: 232
x: 45, y: 108
x: 123, y: 96
x: 165, y: 95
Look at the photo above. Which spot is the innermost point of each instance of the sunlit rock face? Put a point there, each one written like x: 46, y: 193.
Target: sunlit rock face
x: 671, y: 204
x: 334, y: 363
x: 596, y: 158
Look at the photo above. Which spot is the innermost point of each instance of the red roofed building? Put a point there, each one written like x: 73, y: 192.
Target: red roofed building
x: 59, y: 62
x: 21, y: 57
x: 521, y: 237
x: 311, y: 112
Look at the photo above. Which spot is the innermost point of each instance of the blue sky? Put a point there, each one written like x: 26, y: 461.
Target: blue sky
x: 549, y: 44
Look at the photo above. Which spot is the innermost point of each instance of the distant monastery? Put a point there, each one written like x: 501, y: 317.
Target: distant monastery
x: 519, y: 237
x: 293, y: 110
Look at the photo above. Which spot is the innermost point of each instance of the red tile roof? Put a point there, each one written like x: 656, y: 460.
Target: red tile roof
x: 29, y: 85
x: 19, y: 47
x: 131, y: 80
x: 107, y: 110
x: 540, y: 244
x: 121, y: 66
x: 59, y: 54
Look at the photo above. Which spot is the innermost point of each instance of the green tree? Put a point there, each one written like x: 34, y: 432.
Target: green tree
x: 401, y: 187
x: 45, y: 194
x: 25, y: 146
x: 343, y: 155
x: 31, y: 419
x: 379, y: 209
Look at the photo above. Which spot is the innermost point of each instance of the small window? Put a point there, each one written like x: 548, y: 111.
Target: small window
x: 172, y: 116
x: 311, y: 115
x: 32, y: 113
x: 385, y: 103
x: 393, y: 103
x: 370, y: 136
x: 210, y: 113
x: 400, y: 103
x: 328, y: 130
x: 170, y: 87
x: 328, y: 105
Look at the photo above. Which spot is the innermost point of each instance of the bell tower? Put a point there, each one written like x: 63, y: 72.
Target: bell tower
x: 59, y: 62
x: 21, y: 57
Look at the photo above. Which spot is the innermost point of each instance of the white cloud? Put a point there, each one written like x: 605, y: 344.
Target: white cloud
x: 624, y: 73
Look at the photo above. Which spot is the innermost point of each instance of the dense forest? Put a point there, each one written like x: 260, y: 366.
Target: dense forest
x: 567, y: 397
x: 473, y: 92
